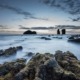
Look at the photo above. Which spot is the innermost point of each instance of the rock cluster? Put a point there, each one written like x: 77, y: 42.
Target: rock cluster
x: 61, y: 66
x: 9, y: 69
x: 10, y: 51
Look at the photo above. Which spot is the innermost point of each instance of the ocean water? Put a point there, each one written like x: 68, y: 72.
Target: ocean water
x: 33, y: 43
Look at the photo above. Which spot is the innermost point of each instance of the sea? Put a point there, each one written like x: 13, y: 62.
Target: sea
x: 34, y: 44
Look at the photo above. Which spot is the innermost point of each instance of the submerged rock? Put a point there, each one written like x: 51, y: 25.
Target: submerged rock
x: 30, y: 54
x: 45, y: 38
x: 1, y: 52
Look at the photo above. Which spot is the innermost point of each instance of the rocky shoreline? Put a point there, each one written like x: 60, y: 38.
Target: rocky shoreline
x: 10, y: 51
x: 60, y: 66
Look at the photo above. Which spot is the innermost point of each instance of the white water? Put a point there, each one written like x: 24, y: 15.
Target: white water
x: 31, y: 43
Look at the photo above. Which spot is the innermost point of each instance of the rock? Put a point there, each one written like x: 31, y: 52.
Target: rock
x: 10, y: 51
x: 49, y: 67
x: 59, y: 37
x: 13, y: 67
x: 30, y: 32
x: 68, y: 62
x: 3, y: 70
x: 1, y: 52
x: 30, y: 54
x: 61, y: 66
x: 19, y: 48
x: 45, y: 38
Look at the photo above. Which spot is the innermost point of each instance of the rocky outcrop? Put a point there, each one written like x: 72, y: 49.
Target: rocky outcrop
x: 10, y: 51
x: 61, y: 66
x: 9, y: 69
x: 30, y: 32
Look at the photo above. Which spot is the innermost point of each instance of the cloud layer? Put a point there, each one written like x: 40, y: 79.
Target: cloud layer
x: 3, y: 27
x: 71, y: 6
x: 21, y: 12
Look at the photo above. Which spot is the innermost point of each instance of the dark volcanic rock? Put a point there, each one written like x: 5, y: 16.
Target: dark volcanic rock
x: 1, y: 52
x: 30, y: 32
x: 45, y: 38
x: 11, y: 68
x: 19, y: 48
x: 61, y: 66
x: 69, y: 62
x: 30, y: 54
x: 49, y: 67
x: 10, y: 51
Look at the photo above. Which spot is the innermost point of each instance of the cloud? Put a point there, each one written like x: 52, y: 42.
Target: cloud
x: 33, y: 17
x: 26, y: 14
x: 75, y: 19
x: 67, y: 27
x: 23, y: 27
x: 71, y: 6
x: 3, y: 27
x: 16, y: 10
x: 35, y: 28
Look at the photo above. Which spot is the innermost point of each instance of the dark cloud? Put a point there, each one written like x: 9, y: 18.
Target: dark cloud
x: 71, y: 6
x: 36, y: 28
x: 23, y: 27
x: 75, y: 19
x: 16, y: 10
x: 67, y: 27
x: 26, y: 14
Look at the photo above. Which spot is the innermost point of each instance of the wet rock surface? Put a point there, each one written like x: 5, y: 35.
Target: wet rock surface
x: 30, y: 54
x: 10, y: 51
x: 45, y: 38
x: 9, y: 69
x: 61, y: 66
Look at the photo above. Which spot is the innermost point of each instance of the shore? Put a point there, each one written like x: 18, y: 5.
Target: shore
x: 60, y: 66
x: 39, y: 57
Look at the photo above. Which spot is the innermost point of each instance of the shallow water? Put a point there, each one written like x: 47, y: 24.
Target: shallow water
x: 33, y: 43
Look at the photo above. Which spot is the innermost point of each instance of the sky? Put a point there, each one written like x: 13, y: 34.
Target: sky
x: 15, y: 14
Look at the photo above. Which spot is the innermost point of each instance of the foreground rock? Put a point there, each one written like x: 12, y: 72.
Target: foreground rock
x: 10, y: 51
x: 61, y: 66
x: 9, y: 69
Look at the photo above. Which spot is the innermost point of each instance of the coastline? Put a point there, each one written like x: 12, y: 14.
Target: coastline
x: 60, y: 66
x: 22, y: 62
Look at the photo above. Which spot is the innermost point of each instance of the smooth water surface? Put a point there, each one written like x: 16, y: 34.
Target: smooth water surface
x: 33, y: 43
